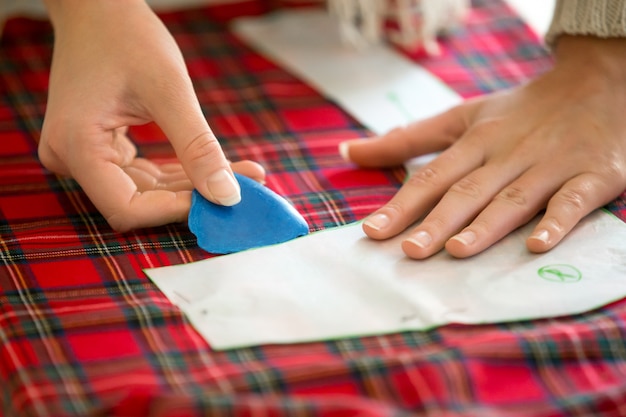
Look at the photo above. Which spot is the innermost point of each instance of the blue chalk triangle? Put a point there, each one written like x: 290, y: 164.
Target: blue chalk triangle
x: 261, y: 218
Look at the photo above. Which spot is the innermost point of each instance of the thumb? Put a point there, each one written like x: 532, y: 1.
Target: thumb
x: 206, y: 166
x: 197, y: 148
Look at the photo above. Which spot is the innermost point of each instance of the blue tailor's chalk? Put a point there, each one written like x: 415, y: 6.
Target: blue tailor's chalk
x: 261, y: 218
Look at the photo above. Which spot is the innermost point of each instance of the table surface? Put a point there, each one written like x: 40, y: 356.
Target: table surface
x: 83, y: 331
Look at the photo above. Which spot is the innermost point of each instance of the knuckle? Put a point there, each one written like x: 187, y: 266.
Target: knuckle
x: 552, y: 223
x: 122, y: 218
x: 49, y: 158
x: 513, y: 195
x: 120, y: 222
x: 435, y: 223
x: 481, y: 227
x: 396, y: 131
x: 486, y: 128
x: 46, y: 157
x: 395, y: 209
x: 124, y: 151
x: 126, y: 218
x: 426, y: 176
x: 202, y: 147
x: 613, y: 169
x: 573, y: 198
x: 468, y: 187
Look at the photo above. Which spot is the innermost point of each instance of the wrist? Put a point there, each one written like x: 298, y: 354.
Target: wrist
x: 591, y: 56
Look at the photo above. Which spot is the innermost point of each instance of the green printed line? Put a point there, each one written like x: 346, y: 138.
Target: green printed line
x: 395, y: 100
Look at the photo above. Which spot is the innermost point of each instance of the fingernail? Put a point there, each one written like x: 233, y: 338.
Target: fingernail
x: 466, y: 238
x: 541, y: 235
x: 377, y: 221
x: 344, y: 151
x: 422, y: 239
x: 224, y: 188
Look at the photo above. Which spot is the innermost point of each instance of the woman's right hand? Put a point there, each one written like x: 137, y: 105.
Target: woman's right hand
x: 116, y: 65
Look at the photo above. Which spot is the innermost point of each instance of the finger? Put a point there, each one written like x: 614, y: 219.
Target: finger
x: 171, y: 167
x: 150, y: 167
x: 515, y: 205
x: 149, y: 176
x: 473, y: 193
x: 403, y: 143
x: 120, y: 150
x: 125, y: 150
x: 577, y: 198
x: 50, y: 159
x: 250, y: 169
x: 147, y: 182
x: 117, y: 197
x: 198, y: 150
x: 173, y: 172
x: 423, y: 190
x: 567, y: 204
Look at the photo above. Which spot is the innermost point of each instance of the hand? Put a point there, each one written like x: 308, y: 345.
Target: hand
x: 116, y: 65
x: 557, y: 143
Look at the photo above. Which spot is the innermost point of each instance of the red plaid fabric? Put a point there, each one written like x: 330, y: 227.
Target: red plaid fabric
x: 83, y: 331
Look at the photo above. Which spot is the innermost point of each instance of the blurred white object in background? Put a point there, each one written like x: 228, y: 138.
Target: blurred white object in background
x: 412, y: 24
x: 537, y: 13
x: 416, y: 22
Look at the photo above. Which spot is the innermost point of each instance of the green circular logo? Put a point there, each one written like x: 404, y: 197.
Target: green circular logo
x: 560, y: 273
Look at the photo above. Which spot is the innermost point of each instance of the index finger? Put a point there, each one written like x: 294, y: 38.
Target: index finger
x: 403, y: 143
x: 423, y: 190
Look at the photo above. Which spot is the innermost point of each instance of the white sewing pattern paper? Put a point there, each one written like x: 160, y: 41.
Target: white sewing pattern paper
x: 338, y: 283
x: 378, y: 86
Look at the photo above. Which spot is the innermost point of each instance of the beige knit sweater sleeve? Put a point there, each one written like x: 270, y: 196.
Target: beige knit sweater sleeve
x: 602, y: 18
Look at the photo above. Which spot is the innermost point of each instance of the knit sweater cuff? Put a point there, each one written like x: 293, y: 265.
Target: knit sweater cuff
x: 602, y: 18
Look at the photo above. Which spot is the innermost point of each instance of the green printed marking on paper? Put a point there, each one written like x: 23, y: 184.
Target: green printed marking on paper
x: 397, y: 102
x: 560, y: 273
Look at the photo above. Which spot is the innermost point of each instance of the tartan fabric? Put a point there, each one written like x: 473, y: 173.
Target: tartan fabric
x: 83, y: 332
